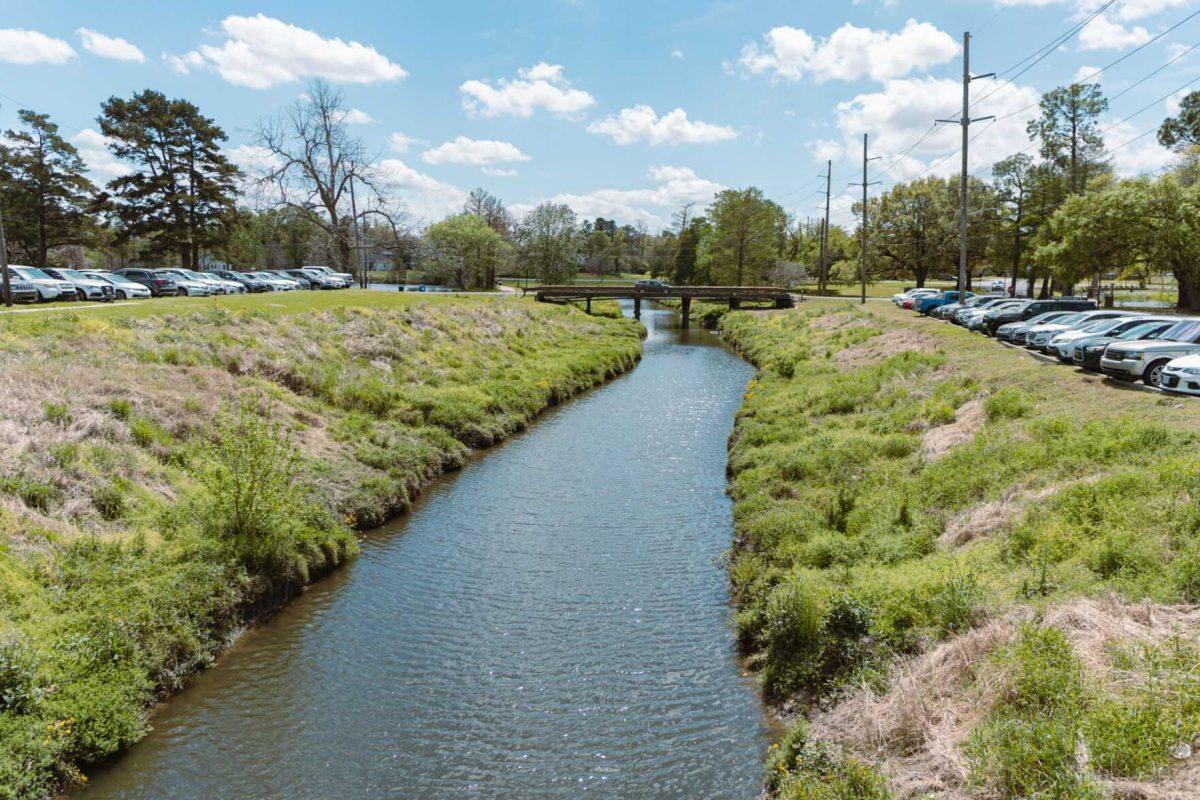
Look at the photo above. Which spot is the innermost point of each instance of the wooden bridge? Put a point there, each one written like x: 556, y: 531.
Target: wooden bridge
x: 733, y: 295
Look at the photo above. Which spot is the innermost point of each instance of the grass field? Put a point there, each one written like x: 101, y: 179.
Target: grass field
x: 958, y: 568
x: 173, y: 468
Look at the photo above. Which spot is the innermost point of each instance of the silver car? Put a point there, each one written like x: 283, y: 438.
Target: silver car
x: 1145, y: 359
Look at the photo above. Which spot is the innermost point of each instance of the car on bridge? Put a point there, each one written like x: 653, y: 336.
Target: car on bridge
x: 652, y: 286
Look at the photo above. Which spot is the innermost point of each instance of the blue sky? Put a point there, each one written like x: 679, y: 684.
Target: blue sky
x: 619, y: 108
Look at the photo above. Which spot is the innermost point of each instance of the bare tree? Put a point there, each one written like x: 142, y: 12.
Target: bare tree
x: 311, y: 159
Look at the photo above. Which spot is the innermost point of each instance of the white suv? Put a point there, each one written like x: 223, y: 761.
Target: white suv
x: 1145, y: 358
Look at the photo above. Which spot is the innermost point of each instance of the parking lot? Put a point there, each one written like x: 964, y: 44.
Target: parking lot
x: 1149, y: 350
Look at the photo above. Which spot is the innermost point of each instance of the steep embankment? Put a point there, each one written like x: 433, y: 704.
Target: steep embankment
x: 962, y: 572
x: 145, y: 511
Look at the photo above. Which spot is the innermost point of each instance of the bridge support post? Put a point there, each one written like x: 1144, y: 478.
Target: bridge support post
x: 686, y: 311
x: 735, y: 303
x: 637, y: 308
x: 589, y: 306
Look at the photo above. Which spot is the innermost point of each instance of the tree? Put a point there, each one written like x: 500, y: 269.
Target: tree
x: 1090, y: 233
x: 746, y: 238
x: 1068, y: 132
x: 549, y: 242
x: 181, y: 186
x: 914, y: 229
x: 491, y: 210
x: 43, y: 189
x: 683, y: 270
x: 1182, y: 131
x: 465, y: 249
x: 312, y: 159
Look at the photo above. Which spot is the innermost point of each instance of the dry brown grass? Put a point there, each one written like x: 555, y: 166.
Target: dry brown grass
x: 882, y: 347
x: 969, y: 419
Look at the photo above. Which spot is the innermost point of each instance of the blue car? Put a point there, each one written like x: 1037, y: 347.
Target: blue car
x: 927, y: 304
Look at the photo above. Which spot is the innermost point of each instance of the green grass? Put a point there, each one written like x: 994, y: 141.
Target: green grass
x: 129, y: 554
x: 847, y: 557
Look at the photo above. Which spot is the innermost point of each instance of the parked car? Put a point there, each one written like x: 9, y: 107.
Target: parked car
x: 948, y: 311
x: 975, y: 320
x: 1015, y: 331
x: 1145, y: 359
x: 215, y: 284
x: 652, y: 286
x: 345, y: 277
x: 305, y: 281
x: 1089, y: 351
x: 997, y: 286
x: 123, y: 288
x: 48, y: 288
x: 252, y: 285
x: 22, y: 291
x: 1038, y: 337
x: 960, y: 316
x: 85, y: 288
x: 912, y: 294
x: 1182, y: 375
x: 1063, y: 344
x: 187, y: 286
x: 159, y: 285
x: 276, y: 283
x: 1032, y: 308
x: 926, y: 305
x: 321, y: 280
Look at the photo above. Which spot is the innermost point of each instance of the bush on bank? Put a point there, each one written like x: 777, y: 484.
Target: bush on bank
x: 897, y: 484
x: 192, y: 470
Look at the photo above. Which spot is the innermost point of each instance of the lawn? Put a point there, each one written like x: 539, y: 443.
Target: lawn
x: 957, y: 566
x: 173, y: 468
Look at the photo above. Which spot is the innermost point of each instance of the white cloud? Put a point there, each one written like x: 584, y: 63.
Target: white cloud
x: 427, y: 197
x: 900, y: 114
x: 20, y: 46
x: 93, y: 149
x: 1174, y: 103
x: 850, y: 53
x: 253, y: 159
x: 828, y: 150
x: 474, y: 152
x: 642, y: 124
x: 541, y: 86
x: 497, y: 172
x: 356, y: 116
x: 112, y: 47
x: 1103, y: 34
x: 677, y: 53
x: 674, y: 186
x: 261, y: 52
x: 400, y: 143
x: 1143, y: 155
x: 1085, y: 75
x: 1127, y: 11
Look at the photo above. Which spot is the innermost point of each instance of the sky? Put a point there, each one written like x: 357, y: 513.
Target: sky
x: 620, y: 109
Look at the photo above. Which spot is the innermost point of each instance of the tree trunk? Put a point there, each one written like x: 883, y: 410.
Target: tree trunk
x: 1045, y: 288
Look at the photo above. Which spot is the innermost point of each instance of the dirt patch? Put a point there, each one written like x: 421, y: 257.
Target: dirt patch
x: 916, y: 730
x: 882, y: 347
x: 987, y: 518
x: 968, y: 420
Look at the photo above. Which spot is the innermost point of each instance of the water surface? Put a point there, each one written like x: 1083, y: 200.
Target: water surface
x: 549, y: 622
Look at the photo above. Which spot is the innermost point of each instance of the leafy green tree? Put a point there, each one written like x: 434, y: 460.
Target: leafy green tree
x: 914, y: 229
x: 466, y: 250
x: 1068, y: 132
x: 1094, y: 232
x: 181, y: 186
x: 1182, y: 131
x: 683, y: 268
x: 549, y: 242
x: 44, y: 189
x: 746, y: 239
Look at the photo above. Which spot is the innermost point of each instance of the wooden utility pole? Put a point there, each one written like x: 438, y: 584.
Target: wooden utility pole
x: 863, y: 248
x: 965, y: 122
x: 362, y: 273
x: 823, y: 266
x: 7, y: 285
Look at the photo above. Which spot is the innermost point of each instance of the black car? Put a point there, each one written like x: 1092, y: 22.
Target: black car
x: 252, y: 284
x: 1032, y: 308
x: 159, y: 285
x: 306, y: 281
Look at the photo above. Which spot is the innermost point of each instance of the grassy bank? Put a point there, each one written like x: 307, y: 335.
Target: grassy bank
x: 174, y: 468
x: 960, y: 571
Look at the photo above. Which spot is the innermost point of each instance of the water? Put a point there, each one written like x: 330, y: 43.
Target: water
x: 547, y: 623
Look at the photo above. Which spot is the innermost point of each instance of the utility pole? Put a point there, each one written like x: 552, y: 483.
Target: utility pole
x: 362, y: 273
x: 965, y: 122
x: 863, y: 248
x: 823, y: 267
x: 7, y: 287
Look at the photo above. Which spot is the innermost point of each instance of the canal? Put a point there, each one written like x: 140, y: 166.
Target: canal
x: 549, y: 622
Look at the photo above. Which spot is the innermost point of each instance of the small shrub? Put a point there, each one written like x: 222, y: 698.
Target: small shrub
x: 19, y: 690
x: 956, y: 604
x: 120, y: 408
x: 57, y: 413
x: 110, y: 501
x: 32, y: 492
x: 1008, y: 403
